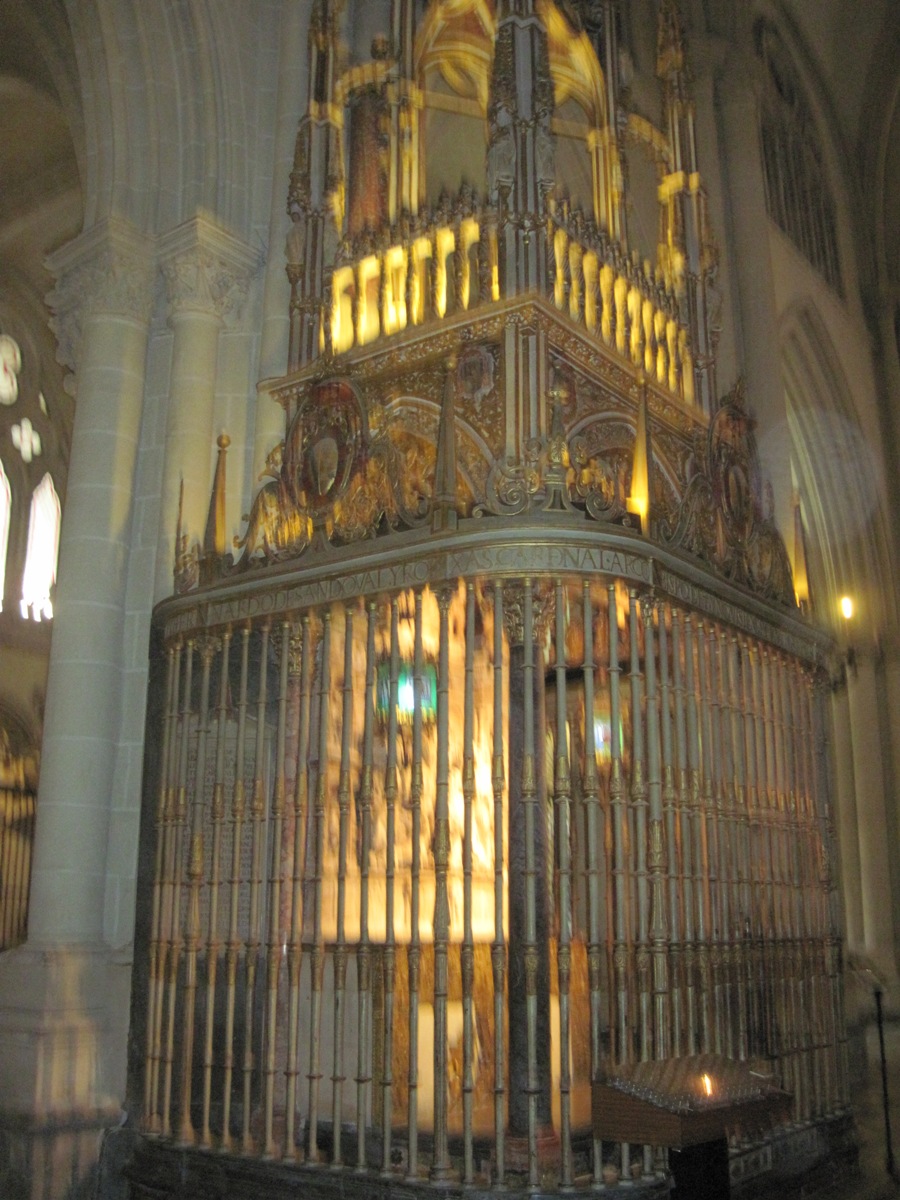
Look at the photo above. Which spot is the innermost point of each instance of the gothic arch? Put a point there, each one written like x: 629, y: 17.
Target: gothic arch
x: 152, y: 82
x: 799, y: 192
x: 839, y: 475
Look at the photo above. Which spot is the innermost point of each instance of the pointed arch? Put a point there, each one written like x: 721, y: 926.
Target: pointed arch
x: 839, y: 473
x: 454, y: 54
x: 798, y: 187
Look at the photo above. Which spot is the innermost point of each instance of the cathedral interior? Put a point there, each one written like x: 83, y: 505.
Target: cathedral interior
x: 450, y: 701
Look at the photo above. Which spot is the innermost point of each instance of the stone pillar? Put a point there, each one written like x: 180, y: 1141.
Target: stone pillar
x: 753, y: 300
x: 871, y: 810
x: 62, y: 1038
x: 207, y: 270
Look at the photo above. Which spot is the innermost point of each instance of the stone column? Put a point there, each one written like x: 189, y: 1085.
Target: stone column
x: 60, y: 1062
x: 872, y: 818
x: 207, y: 270
x: 753, y: 300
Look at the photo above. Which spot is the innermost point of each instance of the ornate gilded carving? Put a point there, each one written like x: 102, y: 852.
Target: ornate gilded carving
x: 332, y: 481
x: 722, y: 518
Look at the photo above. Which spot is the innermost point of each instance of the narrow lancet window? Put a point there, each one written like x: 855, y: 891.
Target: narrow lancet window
x: 5, y: 511
x: 43, y: 546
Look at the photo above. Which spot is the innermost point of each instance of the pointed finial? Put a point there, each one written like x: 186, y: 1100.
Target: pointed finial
x: 214, y: 537
x: 669, y: 41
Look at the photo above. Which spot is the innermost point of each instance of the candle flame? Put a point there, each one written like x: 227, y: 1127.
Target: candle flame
x: 707, y: 1084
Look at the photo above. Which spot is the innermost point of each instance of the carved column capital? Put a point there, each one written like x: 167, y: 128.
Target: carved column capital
x: 543, y: 608
x: 108, y: 269
x: 206, y: 268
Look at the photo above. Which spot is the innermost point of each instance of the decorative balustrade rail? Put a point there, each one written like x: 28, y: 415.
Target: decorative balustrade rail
x: 614, y: 297
x: 454, y: 260
x: 16, y: 844
x: 427, y: 863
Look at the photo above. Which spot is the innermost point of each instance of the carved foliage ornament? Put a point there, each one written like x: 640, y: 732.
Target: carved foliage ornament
x: 332, y: 480
x: 556, y: 475
x: 721, y: 518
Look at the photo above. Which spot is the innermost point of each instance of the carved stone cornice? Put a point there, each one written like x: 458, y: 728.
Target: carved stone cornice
x: 206, y: 268
x: 107, y: 269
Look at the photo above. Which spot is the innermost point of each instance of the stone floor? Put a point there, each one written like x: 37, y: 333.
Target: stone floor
x: 873, y: 1182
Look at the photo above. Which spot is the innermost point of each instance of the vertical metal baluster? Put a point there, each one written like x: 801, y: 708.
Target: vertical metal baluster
x: 671, y: 840
x: 699, y: 850
x: 595, y: 840
x: 207, y: 647
x: 839, y: 1097
x: 621, y: 852
x: 257, y: 850
x: 562, y: 803
x: 363, y: 951
x: 161, y: 891
x: 176, y: 941
x: 233, y: 946
x: 467, y: 956
x: 529, y: 801
x: 719, y: 853
x: 725, y: 807
x: 440, y: 1168
x: 786, y: 948
x: 762, y: 912
x: 620, y: 843
x: 801, y: 736
x: 8, y: 917
x: 712, y: 984
x: 816, y: 927
x: 498, y: 947
x: 685, y: 883
x: 789, y: 849
x: 656, y: 849
x: 274, y: 953
x: 767, y: 937
x: 771, y: 864
x: 339, y: 952
x: 295, y: 948
x: 819, y: 886
x: 808, y: 985
x: 793, y: 986
x: 737, y: 835
x: 610, y: 843
x: 390, y: 796
x: 414, y: 949
x: 739, y: 723
x: 752, y: 904
x: 213, y: 941
x: 317, y: 956
x: 638, y: 808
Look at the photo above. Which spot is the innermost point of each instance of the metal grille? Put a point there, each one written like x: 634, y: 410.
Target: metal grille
x: 428, y: 864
